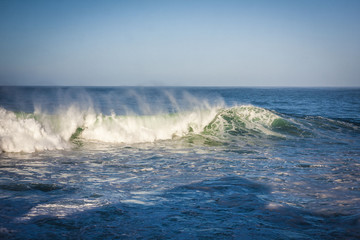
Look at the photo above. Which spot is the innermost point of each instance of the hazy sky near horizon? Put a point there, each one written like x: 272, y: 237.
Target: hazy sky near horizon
x: 201, y: 43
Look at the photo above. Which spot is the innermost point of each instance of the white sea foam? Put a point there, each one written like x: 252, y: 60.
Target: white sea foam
x: 26, y: 134
x: 39, y: 131
x: 136, y: 129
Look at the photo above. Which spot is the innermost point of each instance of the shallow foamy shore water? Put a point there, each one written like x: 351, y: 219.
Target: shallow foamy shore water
x: 180, y: 163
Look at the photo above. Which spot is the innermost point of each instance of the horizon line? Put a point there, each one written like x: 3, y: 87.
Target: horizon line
x: 176, y: 86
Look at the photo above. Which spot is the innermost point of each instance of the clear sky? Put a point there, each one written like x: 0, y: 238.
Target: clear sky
x: 201, y: 43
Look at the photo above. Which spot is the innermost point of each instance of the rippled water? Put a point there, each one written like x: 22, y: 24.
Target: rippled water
x: 179, y: 163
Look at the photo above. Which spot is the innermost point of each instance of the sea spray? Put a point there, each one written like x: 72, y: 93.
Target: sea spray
x: 130, y: 117
x: 25, y: 133
x: 76, y: 118
x: 136, y: 129
x: 40, y: 131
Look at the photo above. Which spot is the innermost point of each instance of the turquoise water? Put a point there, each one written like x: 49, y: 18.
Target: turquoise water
x: 179, y: 163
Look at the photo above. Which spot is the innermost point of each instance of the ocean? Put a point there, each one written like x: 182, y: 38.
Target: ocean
x: 179, y: 163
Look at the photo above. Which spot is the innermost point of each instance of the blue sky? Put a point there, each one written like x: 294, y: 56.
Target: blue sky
x: 201, y: 43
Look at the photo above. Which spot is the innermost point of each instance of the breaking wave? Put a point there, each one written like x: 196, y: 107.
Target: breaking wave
x: 24, y: 132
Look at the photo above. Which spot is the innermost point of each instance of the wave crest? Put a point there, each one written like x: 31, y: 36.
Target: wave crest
x: 137, y: 129
x: 23, y: 132
x: 243, y: 120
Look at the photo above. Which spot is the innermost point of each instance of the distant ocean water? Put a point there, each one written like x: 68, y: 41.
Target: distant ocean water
x: 179, y: 163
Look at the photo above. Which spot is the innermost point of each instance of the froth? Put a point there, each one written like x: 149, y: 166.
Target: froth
x: 26, y: 134
x: 40, y: 131
x: 137, y: 129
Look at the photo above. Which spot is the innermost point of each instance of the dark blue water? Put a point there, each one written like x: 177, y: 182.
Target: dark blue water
x: 179, y: 163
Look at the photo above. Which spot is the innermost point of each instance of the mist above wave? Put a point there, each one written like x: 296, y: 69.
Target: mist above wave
x: 144, y: 117
x: 132, y: 118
